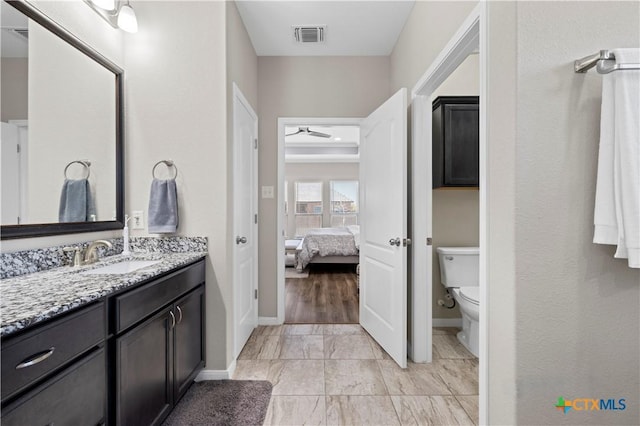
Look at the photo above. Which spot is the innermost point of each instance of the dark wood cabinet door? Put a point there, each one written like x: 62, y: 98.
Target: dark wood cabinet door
x: 455, y: 141
x: 144, y: 372
x: 461, y: 145
x: 189, y: 340
x: 75, y: 396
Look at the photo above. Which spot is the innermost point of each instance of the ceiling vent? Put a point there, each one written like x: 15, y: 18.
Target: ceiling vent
x: 22, y: 32
x: 309, y: 34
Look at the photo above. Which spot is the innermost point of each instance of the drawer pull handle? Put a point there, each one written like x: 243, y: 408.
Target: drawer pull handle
x: 173, y: 320
x: 35, y: 359
x: 180, y: 312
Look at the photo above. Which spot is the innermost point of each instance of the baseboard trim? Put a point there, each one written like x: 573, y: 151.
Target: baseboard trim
x: 269, y: 321
x: 447, y: 322
x: 217, y: 374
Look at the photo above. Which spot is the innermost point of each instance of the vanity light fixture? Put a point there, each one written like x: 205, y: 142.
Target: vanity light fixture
x: 127, y: 19
x: 118, y: 13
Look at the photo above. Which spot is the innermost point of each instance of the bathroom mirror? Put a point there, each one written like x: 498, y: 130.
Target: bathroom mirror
x: 62, y: 131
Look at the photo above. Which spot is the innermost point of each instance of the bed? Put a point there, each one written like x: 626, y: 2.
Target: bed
x: 329, y: 245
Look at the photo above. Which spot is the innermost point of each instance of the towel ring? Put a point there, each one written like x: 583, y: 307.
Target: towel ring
x: 168, y: 163
x: 85, y: 163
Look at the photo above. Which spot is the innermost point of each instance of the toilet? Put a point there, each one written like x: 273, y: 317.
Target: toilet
x: 459, y: 273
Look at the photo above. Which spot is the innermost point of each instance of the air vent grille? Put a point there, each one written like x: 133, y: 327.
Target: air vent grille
x: 22, y: 32
x: 309, y: 34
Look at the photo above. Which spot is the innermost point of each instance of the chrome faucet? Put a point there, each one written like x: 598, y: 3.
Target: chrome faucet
x: 91, y: 254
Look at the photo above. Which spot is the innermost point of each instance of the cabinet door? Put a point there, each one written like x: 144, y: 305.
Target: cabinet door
x: 143, y: 377
x: 461, y: 138
x: 76, y: 396
x: 189, y: 340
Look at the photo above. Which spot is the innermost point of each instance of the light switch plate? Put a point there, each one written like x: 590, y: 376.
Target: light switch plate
x: 267, y: 192
x: 137, y: 219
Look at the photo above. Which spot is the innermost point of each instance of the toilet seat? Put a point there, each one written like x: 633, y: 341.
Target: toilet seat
x: 470, y: 294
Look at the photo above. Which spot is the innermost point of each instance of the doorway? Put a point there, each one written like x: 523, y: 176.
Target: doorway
x: 320, y: 198
x: 383, y: 239
x: 470, y: 38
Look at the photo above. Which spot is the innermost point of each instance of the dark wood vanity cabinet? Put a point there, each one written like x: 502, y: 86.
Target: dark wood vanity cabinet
x: 455, y: 129
x: 126, y: 359
x: 55, y: 373
x: 157, y: 359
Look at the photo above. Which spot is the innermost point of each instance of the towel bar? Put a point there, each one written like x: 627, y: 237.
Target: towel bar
x: 85, y: 163
x: 168, y: 163
x: 598, y: 60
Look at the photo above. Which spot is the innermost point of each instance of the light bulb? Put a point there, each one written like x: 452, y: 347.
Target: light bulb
x: 105, y: 4
x: 127, y: 19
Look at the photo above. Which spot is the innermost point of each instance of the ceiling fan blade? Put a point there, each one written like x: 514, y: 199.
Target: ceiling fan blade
x: 294, y: 133
x: 319, y: 134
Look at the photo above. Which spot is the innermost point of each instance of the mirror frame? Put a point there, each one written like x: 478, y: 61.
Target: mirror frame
x: 46, y: 229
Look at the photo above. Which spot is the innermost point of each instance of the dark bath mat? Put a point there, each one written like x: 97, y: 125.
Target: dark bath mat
x: 222, y: 402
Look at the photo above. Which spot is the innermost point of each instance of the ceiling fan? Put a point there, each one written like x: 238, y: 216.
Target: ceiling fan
x: 306, y: 131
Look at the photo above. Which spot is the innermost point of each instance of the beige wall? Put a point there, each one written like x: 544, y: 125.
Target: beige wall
x: 501, y: 128
x: 72, y: 116
x: 578, y: 309
x: 455, y: 212
x: 316, y: 172
x: 13, y: 72
x: 176, y: 109
x: 306, y: 87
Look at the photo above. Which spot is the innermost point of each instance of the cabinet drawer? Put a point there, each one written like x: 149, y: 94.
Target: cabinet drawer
x: 137, y: 304
x: 31, y: 356
x: 76, y: 396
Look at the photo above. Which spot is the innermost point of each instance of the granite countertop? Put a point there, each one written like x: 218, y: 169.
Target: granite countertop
x: 29, y: 299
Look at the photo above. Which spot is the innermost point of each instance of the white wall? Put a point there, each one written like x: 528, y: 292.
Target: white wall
x: 578, y: 309
x: 305, y: 87
x: 315, y: 172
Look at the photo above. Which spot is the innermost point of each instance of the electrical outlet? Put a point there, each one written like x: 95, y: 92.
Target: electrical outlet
x: 137, y: 219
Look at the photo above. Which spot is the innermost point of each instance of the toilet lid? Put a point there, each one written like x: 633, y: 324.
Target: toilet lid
x: 470, y: 294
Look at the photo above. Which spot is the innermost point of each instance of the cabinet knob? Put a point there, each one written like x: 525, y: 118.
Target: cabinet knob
x: 241, y: 240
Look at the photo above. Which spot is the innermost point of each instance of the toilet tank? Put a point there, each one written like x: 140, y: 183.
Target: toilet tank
x: 459, y: 266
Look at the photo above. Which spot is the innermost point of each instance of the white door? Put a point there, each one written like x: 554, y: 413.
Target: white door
x: 245, y: 227
x: 10, y: 175
x: 383, y: 233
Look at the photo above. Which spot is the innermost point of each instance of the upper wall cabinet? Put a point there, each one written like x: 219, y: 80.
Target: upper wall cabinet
x: 455, y: 141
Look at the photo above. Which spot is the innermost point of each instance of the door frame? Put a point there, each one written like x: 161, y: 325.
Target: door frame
x: 280, y: 226
x: 471, y: 35
x: 238, y: 97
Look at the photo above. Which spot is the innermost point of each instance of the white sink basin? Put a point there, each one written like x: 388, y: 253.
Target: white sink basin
x: 123, y: 267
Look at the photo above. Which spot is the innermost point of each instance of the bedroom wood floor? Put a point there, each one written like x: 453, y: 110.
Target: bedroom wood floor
x: 328, y: 296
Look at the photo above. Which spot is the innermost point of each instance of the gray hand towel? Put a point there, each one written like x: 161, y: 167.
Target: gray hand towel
x: 76, y: 202
x: 163, y: 207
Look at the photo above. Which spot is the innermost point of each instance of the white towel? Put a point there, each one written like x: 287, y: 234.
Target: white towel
x: 617, y: 208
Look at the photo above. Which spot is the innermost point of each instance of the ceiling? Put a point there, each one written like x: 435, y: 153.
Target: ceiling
x: 353, y: 28
x: 13, y: 45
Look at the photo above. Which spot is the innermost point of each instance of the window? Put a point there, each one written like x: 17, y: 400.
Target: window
x: 308, y: 206
x: 344, y: 202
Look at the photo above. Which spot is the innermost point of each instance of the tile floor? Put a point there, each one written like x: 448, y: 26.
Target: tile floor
x: 338, y: 375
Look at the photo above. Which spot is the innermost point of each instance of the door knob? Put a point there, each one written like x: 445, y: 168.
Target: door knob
x: 395, y: 242
x: 241, y: 240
